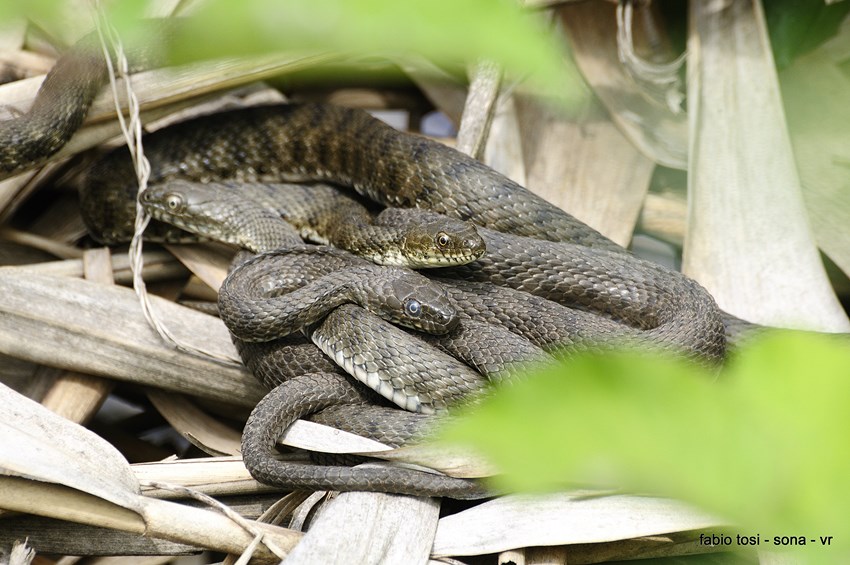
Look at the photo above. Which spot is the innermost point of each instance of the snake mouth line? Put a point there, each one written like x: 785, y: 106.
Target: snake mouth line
x: 396, y: 259
x: 197, y: 232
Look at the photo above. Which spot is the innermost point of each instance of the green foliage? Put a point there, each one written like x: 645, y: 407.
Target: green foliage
x: 763, y: 442
x: 56, y: 15
x: 452, y: 32
x: 446, y: 31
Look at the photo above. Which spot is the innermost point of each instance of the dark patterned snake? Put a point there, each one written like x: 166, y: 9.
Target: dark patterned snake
x: 532, y: 246
x: 673, y: 311
x: 403, y: 369
x: 347, y: 335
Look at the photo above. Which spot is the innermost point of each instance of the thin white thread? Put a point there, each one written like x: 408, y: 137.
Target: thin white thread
x: 259, y: 535
x: 133, y: 135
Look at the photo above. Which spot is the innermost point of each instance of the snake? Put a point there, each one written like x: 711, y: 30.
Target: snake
x: 256, y: 297
x: 256, y: 285
x: 300, y: 142
x: 250, y: 306
x: 670, y: 310
x: 199, y: 210
x: 317, y: 142
x: 57, y: 111
x: 66, y: 94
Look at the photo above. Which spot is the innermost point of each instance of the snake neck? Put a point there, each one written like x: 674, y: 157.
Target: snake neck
x: 261, y: 232
x: 379, y: 244
x: 68, y: 90
x: 219, y: 212
x: 323, y: 215
x: 254, y: 316
x: 58, y: 111
x: 421, y: 380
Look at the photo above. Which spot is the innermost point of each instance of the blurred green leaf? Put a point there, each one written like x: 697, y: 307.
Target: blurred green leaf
x: 764, y: 442
x: 34, y: 9
x: 446, y: 31
x: 63, y: 20
x: 450, y: 32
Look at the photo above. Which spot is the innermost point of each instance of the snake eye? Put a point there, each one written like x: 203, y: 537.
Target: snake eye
x: 173, y: 201
x: 442, y: 239
x: 412, y: 307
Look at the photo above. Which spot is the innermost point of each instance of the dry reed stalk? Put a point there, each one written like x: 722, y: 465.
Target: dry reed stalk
x: 749, y: 241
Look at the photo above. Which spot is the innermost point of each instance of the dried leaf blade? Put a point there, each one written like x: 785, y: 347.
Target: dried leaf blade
x: 43, y: 446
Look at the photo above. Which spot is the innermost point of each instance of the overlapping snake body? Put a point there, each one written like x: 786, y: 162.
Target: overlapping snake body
x: 669, y: 310
x: 249, y: 216
x: 400, y: 296
x: 300, y: 142
x: 376, y: 354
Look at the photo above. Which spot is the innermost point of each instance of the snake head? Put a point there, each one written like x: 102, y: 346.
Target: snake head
x: 169, y: 202
x: 217, y: 211
x: 183, y: 204
x: 416, y: 302
x: 441, y: 242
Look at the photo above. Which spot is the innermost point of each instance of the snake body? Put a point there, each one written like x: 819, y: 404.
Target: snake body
x: 345, y: 146
x: 381, y: 355
x: 286, y: 403
x: 303, y: 382
x: 57, y: 112
x: 298, y: 142
x: 68, y: 90
x: 673, y: 311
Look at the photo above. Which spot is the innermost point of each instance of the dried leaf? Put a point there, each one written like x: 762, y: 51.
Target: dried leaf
x: 359, y: 527
x: 205, y: 432
x: 40, y: 445
x: 815, y: 92
x: 511, y: 522
x: 748, y: 242
x: 657, y: 132
x: 103, y: 332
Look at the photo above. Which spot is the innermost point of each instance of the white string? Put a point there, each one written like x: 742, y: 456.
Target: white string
x: 133, y: 135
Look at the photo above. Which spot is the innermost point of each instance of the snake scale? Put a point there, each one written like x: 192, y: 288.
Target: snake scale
x: 532, y: 245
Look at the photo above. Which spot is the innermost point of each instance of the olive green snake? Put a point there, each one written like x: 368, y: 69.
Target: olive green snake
x: 532, y: 246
